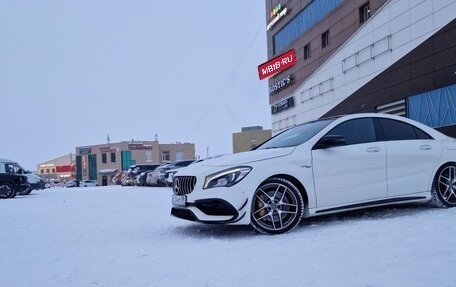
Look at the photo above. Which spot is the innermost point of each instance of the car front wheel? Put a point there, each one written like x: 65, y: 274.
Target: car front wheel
x: 277, y: 207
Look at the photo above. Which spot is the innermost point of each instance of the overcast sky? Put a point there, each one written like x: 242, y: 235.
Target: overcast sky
x: 72, y: 72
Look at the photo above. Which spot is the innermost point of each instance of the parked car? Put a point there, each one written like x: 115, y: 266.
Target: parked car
x: 52, y: 183
x: 141, y: 179
x: 171, y: 172
x: 12, y: 184
x: 117, y: 179
x: 87, y: 183
x: 138, y: 180
x: 72, y: 183
x: 326, y: 166
x: 36, y: 182
x: 129, y: 177
x: 12, y: 167
x: 160, y: 175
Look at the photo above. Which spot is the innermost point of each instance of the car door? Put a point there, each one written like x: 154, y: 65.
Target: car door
x: 411, y: 157
x: 353, y: 172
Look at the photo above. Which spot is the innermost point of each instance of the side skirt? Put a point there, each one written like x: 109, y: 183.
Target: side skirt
x: 373, y: 203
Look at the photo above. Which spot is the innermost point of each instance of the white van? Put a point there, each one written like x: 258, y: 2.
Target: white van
x: 12, y: 167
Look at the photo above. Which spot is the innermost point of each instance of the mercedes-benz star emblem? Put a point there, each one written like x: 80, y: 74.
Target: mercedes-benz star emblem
x: 176, y: 185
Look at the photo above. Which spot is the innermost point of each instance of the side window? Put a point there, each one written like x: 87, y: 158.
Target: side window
x: 356, y: 131
x: 9, y: 168
x: 395, y: 131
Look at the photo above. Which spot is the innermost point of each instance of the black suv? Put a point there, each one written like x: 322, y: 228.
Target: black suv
x: 12, y: 184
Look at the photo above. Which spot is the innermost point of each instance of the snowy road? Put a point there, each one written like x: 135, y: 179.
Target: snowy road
x: 124, y: 236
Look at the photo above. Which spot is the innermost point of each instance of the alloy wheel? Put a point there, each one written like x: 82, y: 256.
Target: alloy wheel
x: 6, y: 190
x: 446, y: 186
x: 277, y: 207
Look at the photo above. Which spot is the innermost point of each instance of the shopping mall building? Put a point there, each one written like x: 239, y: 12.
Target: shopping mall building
x: 396, y: 56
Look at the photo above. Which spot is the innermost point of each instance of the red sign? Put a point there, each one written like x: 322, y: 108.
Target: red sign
x: 276, y: 65
x: 65, y: 168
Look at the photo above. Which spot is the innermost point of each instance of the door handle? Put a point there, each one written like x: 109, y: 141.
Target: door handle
x: 425, y: 147
x: 373, y: 149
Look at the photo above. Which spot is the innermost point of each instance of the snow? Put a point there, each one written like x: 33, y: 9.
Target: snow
x: 124, y: 236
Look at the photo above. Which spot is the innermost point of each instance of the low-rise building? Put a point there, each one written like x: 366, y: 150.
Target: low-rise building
x: 250, y: 137
x: 58, y: 169
x: 101, y: 162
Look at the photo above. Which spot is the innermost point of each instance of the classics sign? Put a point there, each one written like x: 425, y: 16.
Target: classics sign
x: 280, y: 84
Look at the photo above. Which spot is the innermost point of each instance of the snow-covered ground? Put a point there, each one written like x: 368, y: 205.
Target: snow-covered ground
x: 124, y: 236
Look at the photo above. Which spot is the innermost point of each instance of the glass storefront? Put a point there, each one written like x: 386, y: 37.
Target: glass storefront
x: 436, y: 108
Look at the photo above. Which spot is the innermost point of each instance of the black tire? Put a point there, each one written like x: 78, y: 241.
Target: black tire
x: 6, y: 190
x: 444, y: 187
x: 277, y: 207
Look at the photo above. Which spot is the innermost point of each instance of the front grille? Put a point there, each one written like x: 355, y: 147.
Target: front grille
x: 183, y: 184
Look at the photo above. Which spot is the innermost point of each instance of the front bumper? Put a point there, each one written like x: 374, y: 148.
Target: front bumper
x: 21, y: 187
x: 37, y: 186
x: 210, y: 211
x: 221, y: 205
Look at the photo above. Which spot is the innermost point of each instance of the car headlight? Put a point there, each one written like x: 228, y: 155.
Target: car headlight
x: 228, y: 177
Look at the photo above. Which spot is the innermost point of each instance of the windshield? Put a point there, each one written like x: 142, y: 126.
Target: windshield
x: 297, y: 135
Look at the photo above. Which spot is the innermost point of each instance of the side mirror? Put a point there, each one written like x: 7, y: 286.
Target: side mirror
x: 329, y: 141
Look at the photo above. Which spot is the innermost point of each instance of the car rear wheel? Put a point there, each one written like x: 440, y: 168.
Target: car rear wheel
x: 277, y: 207
x: 444, y: 187
x: 6, y: 190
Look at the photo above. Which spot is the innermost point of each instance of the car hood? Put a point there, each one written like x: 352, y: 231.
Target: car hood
x: 246, y: 157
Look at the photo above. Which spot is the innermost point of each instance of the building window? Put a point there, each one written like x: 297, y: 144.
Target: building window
x: 364, y: 13
x: 165, y: 156
x: 307, y: 51
x: 325, y: 39
x: 148, y: 156
x: 9, y: 168
x: 47, y: 170
x: 304, y: 20
x: 53, y: 170
x: 104, y: 158
x: 113, y: 157
x: 41, y: 171
x: 179, y: 155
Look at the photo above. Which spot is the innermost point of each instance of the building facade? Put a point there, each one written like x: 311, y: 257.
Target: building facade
x: 250, y: 137
x: 389, y: 56
x: 101, y: 162
x: 58, y: 169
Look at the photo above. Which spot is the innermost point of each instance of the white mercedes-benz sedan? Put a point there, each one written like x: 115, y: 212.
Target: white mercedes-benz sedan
x: 326, y: 166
